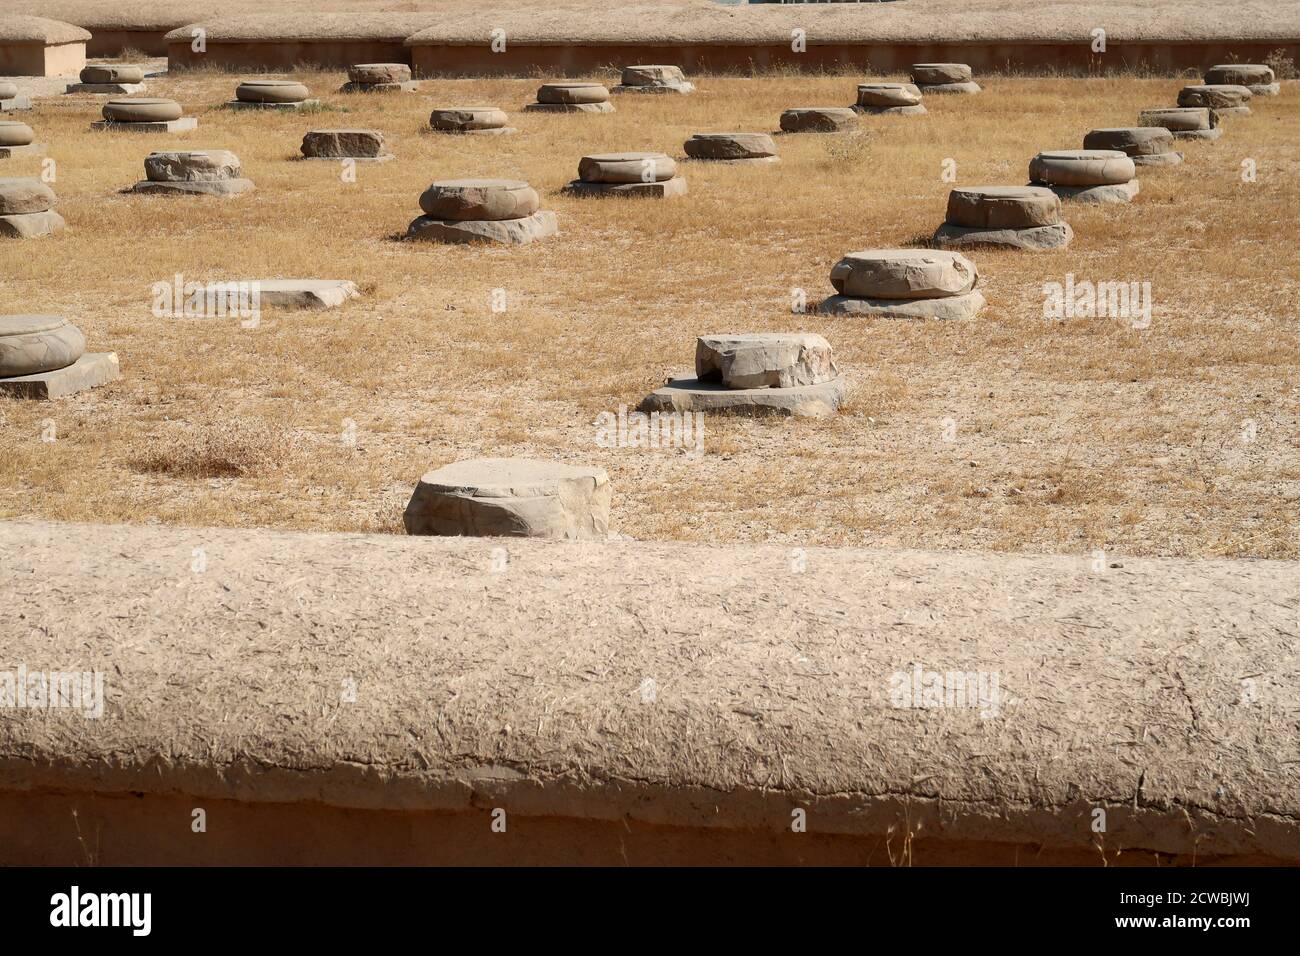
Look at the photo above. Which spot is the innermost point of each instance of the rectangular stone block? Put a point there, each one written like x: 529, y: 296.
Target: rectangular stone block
x: 126, y: 88
x: 90, y: 371
x: 182, y: 125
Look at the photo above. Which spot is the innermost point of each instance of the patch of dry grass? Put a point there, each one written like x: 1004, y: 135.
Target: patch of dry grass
x: 1066, y: 436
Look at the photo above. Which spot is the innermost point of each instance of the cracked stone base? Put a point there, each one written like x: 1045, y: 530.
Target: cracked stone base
x: 182, y: 125
x: 304, y: 293
x: 499, y: 131
x: 1034, y: 239
x: 507, y: 232
x: 31, y: 225
x: 120, y: 88
x: 409, y: 86
x: 661, y: 190
x: 916, y: 110
x: 31, y: 149
x: 215, y: 187
x: 283, y: 107
x: 946, y: 308
x: 661, y: 88
x: 1158, y: 159
x: 1097, y: 195
x: 1206, y: 134
x: 969, y: 86
x: 15, y: 104
x: 90, y: 371
x: 686, y: 393
x: 569, y: 108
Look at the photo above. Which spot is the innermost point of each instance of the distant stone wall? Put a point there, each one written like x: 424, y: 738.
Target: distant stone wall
x: 245, y: 56
x: 38, y: 59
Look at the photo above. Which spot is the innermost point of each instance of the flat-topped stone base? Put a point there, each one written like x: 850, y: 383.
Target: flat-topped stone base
x: 686, y: 393
x: 381, y: 158
x: 90, y: 371
x: 408, y: 86
x: 290, y: 107
x: 100, y: 88
x: 314, y: 294
x: 1097, y: 195
x: 658, y: 88
x: 660, y: 190
x: 744, y: 161
x: 506, y: 232
x: 569, y: 108
x: 31, y: 149
x: 1034, y: 238
x: 1157, y: 159
x: 968, y: 87
x: 944, y: 307
x: 194, y: 187
x: 15, y: 104
x: 917, y: 109
x: 182, y: 125
x: 31, y: 225
x: 499, y: 131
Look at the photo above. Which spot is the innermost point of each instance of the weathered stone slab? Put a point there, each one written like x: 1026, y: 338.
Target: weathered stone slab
x: 90, y: 371
x: 653, y: 79
x: 344, y: 144
x: 1256, y: 77
x: 512, y: 497
x: 1115, y: 194
x: 904, y: 274
x: 31, y: 225
x: 182, y: 125
x: 31, y: 149
x: 410, y: 86
x: 1226, y: 99
x: 23, y: 195
x: 1081, y: 167
x: 100, y: 89
x: 686, y: 393
x: 118, y: 73
x: 626, y: 168
x: 507, y: 232
x: 16, y: 104
x: 195, y: 165
x: 1002, y: 207
x: 947, y: 308
x: 1158, y: 159
x: 819, y: 119
x: 313, y: 294
x: 1135, y: 141
x: 1180, y: 119
x: 732, y: 147
x: 569, y: 108
x: 468, y: 119
x: 572, y: 94
x: 764, y: 360
x: 942, y: 88
x: 937, y: 74
x: 194, y: 187
x: 370, y: 73
x: 660, y: 190
x: 877, y: 97
x: 1034, y: 239
x: 30, y: 344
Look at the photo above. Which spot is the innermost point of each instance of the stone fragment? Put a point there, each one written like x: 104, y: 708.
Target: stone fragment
x: 314, y: 294
x: 25, y: 195
x: 114, y: 89
x: 1145, y: 145
x: 1256, y: 77
x: 686, y: 393
x: 1033, y: 239
x: 900, y: 99
x: 764, y: 360
x: 934, y: 74
x: 90, y: 371
x: 819, y: 119
x: 1114, y: 194
x: 653, y: 79
x: 904, y: 274
x: 1002, y: 207
x: 506, y: 232
x: 667, y: 189
x: 945, y: 308
x: 732, y: 147
x: 344, y: 144
x: 1185, y: 122
x: 182, y: 125
x: 511, y: 497
x: 569, y: 108
x: 1225, y: 99
x: 626, y: 168
x: 141, y: 110
x: 387, y: 73
x: 121, y: 73
x: 469, y: 119
x: 31, y: 225
x: 572, y: 93
x: 1081, y: 167
x: 30, y: 344
x: 197, y: 165
x: 480, y: 199
x: 271, y: 91
x: 194, y: 187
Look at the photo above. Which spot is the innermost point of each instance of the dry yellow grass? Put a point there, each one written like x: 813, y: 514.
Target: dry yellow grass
x: 1067, y: 436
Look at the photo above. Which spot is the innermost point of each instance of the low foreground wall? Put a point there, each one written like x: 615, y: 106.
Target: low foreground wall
x: 309, y: 698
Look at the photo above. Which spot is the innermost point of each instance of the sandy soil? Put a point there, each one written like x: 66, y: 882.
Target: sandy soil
x: 1007, y: 433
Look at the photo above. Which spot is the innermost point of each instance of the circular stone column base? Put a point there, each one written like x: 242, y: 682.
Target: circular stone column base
x: 31, y: 225
x: 194, y: 187
x: 506, y: 232
x: 969, y: 86
x: 569, y: 108
x: 686, y: 393
x: 946, y: 308
x: 660, y: 190
x: 31, y: 344
x: 409, y: 86
x: 1157, y: 159
x: 917, y: 110
x: 1096, y: 195
x: 1033, y: 239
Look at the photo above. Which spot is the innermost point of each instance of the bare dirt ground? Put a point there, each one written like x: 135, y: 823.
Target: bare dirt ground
x: 1066, y: 436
